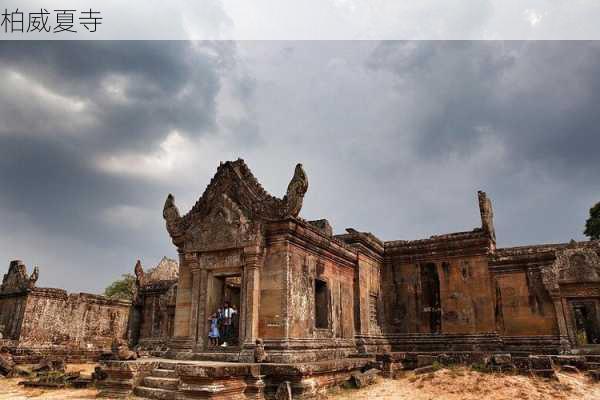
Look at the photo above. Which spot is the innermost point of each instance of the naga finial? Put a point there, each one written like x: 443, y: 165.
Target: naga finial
x: 172, y: 217
x: 139, y: 272
x: 33, y: 277
x: 296, y: 190
x: 487, y: 215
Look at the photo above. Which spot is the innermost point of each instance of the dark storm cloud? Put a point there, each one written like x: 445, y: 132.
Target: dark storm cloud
x: 396, y: 138
x: 63, y: 105
x: 541, y: 99
x: 133, y: 92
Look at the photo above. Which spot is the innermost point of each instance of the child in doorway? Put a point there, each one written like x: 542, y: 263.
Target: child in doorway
x: 213, y: 333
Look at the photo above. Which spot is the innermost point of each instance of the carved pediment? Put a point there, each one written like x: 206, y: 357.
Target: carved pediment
x: 226, y: 225
x: 572, y: 265
x: 17, y: 279
x: 235, y: 200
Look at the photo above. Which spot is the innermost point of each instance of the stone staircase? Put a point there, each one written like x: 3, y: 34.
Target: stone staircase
x: 161, y: 384
x: 592, y: 363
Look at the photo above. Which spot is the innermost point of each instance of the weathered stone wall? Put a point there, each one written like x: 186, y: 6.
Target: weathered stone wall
x: 273, y: 284
x: 466, y: 300
x: 44, y: 321
x: 305, y: 268
x: 12, y: 307
x: 525, y: 307
x: 52, y: 317
x: 152, y: 317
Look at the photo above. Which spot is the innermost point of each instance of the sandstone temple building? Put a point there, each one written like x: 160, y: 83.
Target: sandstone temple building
x: 313, y: 306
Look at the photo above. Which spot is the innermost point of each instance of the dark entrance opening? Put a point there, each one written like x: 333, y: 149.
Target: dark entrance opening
x: 224, y: 306
x: 587, y: 329
x: 321, y: 305
x: 430, y: 294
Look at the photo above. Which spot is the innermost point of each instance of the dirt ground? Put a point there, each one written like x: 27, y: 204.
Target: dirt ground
x: 10, y: 388
x: 458, y: 383
x: 463, y: 384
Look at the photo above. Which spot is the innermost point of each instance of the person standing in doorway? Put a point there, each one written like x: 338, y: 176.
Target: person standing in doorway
x: 228, y: 314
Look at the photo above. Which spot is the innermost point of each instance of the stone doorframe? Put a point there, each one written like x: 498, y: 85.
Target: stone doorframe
x: 245, y: 262
x: 575, y: 274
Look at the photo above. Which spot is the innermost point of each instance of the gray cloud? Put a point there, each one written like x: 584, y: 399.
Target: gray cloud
x: 396, y: 138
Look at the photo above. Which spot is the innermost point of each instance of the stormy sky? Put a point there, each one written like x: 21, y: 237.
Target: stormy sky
x: 396, y: 138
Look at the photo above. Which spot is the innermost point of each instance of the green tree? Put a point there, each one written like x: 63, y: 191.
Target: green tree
x: 121, y: 288
x: 592, y: 225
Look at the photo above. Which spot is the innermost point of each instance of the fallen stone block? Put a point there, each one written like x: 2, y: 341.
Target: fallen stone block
x: 99, y: 374
x: 594, y: 375
x: 540, y: 363
x: 571, y: 369
x: 576, y: 361
x: 284, y: 391
x: 424, y: 370
x: 7, y: 364
x: 502, y: 359
x: 364, y: 379
x: 425, y: 359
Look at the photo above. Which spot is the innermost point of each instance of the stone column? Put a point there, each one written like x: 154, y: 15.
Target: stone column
x: 194, y: 301
x: 561, y: 316
x: 251, y: 292
x: 201, y: 328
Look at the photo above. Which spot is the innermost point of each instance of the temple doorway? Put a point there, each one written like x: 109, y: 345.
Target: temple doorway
x: 430, y: 292
x: 224, y: 299
x: 586, y: 322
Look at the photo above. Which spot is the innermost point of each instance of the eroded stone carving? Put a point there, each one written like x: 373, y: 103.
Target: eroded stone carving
x: 232, y: 207
x: 17, y: 279
x: 173, y: 220
x: 295, y: 191
x: 572, y: 265
x: 487, y: 215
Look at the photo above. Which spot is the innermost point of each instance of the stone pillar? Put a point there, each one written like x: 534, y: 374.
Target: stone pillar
x: 201, y: 326
x: 251, y: 293
x: 182, y: 308
x: 561, y: 319
x: 194, y: 302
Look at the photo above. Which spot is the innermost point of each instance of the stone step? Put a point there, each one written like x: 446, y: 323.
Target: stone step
x: 153, y: 393
x: 167, y: 365
x: 592, y: 365
x: 593, y: 358
x: 161, y: 383
x: 164, y: 373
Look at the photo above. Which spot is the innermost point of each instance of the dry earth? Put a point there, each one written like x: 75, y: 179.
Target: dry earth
x: 464, y: 384
x: 446, y: 384
x: 10, y: 388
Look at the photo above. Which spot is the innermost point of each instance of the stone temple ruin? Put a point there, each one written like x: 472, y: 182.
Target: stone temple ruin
x: 315, y: 308
x: 38, y: 322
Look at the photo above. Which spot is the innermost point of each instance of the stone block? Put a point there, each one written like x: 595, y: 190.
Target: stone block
x: 540, y: 363
x: 569, y: 369
x: 502, y: 359
x: 424, y: 370
x: 364, y: 379
x: 425, y: 359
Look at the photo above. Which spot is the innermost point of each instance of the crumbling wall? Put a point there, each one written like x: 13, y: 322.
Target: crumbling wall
x: 466, y: 295
x: 152, y: 318
x: 12, y: 308
x: 52, y: 317
x: 45, y: 321
x: 307, y: 272
x: 466, y: 303
x: 526, y: 309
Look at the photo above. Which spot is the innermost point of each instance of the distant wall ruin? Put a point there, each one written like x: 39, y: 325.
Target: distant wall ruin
x: 36, y: 321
